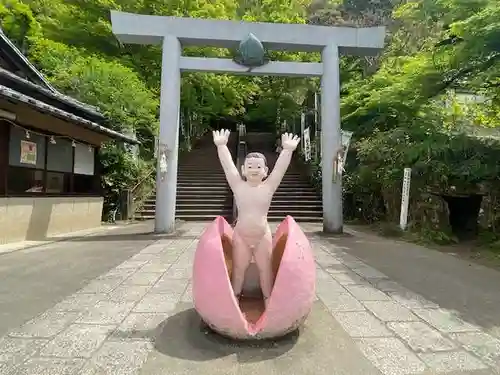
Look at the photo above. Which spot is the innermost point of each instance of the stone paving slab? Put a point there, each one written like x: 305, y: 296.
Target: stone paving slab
x: 137, y: 319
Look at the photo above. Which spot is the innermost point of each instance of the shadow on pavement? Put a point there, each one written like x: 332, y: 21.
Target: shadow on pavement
x: 327, y: 236
x: 185, y: 336
x: 132, y: 233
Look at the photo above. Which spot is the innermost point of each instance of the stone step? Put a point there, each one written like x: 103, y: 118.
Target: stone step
x: 209, y: 172
x: 202, y: 183
x: 214, y: 212
x: 296, y: 192
x: 222, y: 177
x: 303, y: 219
x: 200, y: 168
x: 285, y: 185
x: 219, y: 172
x: 181, y: 212
x: 191, y: 197
x: 185, y: 199
x: 228, y: 216
x: 222, y: 194
x: 200, y: 197
x: 228, y: 210
x: 205, y: 195
x: 278, y: 201
x: 193, y: 204
x: 194, y: 189
x: 203, y: 170
x: 201, y: 217
x: 199, y: 208
x: 224, y: 205
x: 279, y: 196
x: 281, y: 201
x: 206, y: 189
x: 275, y: 205
x: 188, y: 187
x: 295, y: 213
x: 207, y: 177
x: 297, y: 207
x: 223, y: 184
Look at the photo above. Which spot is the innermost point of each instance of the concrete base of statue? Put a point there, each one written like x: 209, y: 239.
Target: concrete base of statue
x: 292, y: 296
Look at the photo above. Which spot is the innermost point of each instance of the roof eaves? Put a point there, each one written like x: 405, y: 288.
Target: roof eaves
x: 43, y: 107
x: 54, y: 95
x: 23, y: 60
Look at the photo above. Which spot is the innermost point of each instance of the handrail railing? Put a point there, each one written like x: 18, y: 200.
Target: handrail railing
x: 142, y: 180
x: 135, y: 198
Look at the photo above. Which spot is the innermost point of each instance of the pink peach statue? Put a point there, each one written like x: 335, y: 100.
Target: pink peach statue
x: 247, y: 285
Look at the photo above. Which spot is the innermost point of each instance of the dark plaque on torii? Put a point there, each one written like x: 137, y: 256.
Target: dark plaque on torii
x: 251, y: 53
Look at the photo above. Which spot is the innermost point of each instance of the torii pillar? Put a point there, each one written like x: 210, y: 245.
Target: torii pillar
x: 174, y: 32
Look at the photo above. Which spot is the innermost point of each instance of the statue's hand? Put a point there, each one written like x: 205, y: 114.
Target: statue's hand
x: 221, y: 137
x: 289, y: 141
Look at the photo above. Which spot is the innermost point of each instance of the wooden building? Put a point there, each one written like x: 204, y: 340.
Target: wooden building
x: 49, y: 147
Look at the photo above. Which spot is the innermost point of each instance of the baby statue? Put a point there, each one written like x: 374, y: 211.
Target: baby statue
x: 252, y: 236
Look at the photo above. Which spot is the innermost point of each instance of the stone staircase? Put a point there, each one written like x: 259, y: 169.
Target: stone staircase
x: 202, y: 190
x: 295, y: 196
x: 203, y: 193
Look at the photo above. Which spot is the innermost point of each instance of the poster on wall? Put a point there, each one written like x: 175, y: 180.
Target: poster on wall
x: 28, y: 152
x: 307, y: 144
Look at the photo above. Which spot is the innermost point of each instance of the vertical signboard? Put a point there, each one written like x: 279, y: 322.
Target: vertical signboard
x: 405, y: 199
x: 156, y: 145
x: 317, y: 127
x: 307, y: 144
x: 346, y: 141
x: 302, y: 127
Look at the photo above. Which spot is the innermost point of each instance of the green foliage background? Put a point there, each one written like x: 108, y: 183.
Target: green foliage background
x: 401, y: 105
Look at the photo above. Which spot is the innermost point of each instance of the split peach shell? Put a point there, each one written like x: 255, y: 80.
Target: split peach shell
x: 292, y: 295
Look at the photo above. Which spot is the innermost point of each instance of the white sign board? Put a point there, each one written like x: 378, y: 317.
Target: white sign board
x: 155, y: 152
x: 405, y: 199
x: 307, y: 144
x: 84, y: 159
x: 302, y: 127
x: 346, y: 141
x: 284, y: 126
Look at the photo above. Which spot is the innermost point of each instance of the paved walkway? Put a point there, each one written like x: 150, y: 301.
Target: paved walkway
x: 138, y: 319
x: 36, y: 278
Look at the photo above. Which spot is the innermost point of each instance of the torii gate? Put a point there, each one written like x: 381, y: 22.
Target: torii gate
x: 174, y: 32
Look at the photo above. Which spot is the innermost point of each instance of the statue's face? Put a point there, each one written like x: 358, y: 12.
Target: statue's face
x: 254, y: 169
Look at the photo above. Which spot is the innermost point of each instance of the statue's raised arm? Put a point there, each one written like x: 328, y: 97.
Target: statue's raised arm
x: 289, y: 143
x: 221, y: 137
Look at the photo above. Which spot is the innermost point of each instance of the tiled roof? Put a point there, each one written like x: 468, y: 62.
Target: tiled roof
x: 46, y: 108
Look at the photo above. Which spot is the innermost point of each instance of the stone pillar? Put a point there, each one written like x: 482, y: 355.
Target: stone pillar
x: 330, y: 140
x: 166, y: 185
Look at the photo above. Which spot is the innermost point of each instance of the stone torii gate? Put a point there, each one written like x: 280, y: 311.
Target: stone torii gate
x: 174, y: 32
